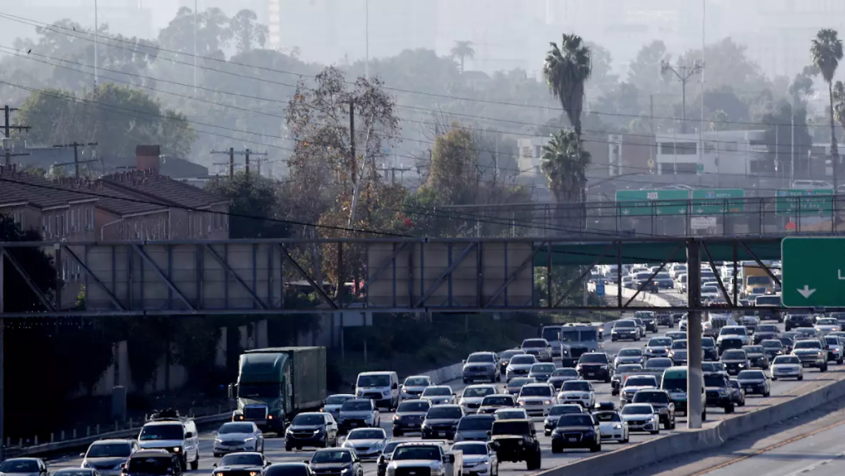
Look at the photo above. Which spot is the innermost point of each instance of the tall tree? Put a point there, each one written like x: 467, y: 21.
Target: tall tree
x: 247, y: 31
x: 565, y: 165
x: 461, y: 51
x: 826, y: 51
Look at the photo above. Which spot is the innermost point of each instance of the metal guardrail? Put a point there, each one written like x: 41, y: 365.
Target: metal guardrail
x: 84, y: 442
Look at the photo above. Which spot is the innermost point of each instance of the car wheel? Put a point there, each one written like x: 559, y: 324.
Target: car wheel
x: 216, y: 455
x: 195, y: 464
x: 774, y: 379
x: 555, y: 449
x: 800, y: 377
x: 288, y: 448
x: 729, y: 409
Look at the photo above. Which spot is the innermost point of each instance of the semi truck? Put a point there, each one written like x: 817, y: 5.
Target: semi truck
x: 275, y: 384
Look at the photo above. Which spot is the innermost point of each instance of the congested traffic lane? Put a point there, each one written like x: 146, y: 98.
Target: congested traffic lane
x: 781, y: 390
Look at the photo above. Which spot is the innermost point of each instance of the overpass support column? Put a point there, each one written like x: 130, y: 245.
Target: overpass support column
x: 695, y: 403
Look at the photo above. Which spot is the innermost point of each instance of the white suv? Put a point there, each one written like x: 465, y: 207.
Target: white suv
x: 168, y: 431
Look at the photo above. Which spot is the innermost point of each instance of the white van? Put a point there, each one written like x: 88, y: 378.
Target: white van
x: 811, y: 184
x: 168, y: 431
x: 381, y: 387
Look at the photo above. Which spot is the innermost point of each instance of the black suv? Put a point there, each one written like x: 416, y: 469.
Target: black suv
x: 577, y: 431
x: 719, y: 392
x: 516, y: 440
x: 662, y: 404
x: 794, y: 321
x: 594, y: 366
x: 649, y: 319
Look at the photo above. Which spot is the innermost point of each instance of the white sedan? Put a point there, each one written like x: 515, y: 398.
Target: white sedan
x: 787, y: 366
x: 612, y: 426
x: 641, y: 417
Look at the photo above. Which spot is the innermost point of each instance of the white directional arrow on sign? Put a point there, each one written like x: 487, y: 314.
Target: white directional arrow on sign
x: 806, y: 292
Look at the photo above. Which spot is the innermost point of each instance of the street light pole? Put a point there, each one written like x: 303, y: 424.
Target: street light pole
x: 683, y: 73
x: 367, y: 41
x: 96, y: 42
x: 196, y: 19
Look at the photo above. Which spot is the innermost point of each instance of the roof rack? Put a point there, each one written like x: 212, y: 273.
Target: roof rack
x: 168, y: 414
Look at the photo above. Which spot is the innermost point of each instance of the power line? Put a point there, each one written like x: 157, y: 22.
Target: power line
x: 55, y: 28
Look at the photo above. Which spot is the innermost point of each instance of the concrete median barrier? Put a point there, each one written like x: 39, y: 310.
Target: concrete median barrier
x: 643, y: 454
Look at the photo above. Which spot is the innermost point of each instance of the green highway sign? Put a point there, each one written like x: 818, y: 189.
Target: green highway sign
x: 712, y: 202
x: 813, y: 272
x: 790, y: 201
x: 648, y: 202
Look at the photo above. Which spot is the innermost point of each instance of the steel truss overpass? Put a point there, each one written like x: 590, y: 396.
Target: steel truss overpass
x: 381, y: 274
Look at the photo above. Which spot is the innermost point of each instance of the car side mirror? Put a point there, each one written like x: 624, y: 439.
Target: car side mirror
x: 81, y: 455
x: 307, y: 462
x: 214, y: 465
x: 464, y: 361
x: 189, y: 435
x: 122, y: 465
x: 395, y: 386
x: 232, y: 390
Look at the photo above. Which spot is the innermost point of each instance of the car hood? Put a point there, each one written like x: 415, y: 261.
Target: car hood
x: 806, y: 351
x: 535, y: 398
x: 329, y: 465
x: 636, y: 389
x: 415, y: 389
x: 151, y: 444
x: 754, y: 381
x: 350, y: 414
x: 786, y: 366
x: 239, y: 467
x: 467, y: 400
x: 441, y: 421
x: 562, y: 378
x: 243, y: 436
x: 298, y: 428
x: 332, y: 408
x: 573, y: 393
x: 733, y: 361
x: 474, y: 458
x: 416, y: 463
x: 410, y: 414
x: 107, y: 461
x: 608, y: 425
x: 756, y: 355
x: 636, y: 417
x: 565, y: 429
x: 362, y: 443
x: 473, y: 433
x: 520, y: 366
x: 480, y: 364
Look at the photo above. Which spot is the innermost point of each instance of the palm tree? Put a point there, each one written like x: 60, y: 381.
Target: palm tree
x: 567, y: 69
x: 463, y: 50
x: 826, y: 51
x: 565, y: 165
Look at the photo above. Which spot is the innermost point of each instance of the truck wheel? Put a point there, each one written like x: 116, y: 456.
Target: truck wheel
x: 823, y: 368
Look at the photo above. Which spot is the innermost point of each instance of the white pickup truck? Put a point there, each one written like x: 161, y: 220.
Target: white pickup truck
x: 423, y: 458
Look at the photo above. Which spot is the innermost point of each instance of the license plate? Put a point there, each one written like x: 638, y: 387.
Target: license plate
x: 572, y: 439
x: 435, y: 433
x: 354, y: 423
x: 590, y: 374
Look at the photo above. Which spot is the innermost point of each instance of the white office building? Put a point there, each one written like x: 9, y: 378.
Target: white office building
x: 725, y: 153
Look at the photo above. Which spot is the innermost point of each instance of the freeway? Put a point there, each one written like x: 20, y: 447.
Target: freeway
x: 781, y: 390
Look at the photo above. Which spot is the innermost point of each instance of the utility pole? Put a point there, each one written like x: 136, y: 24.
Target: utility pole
x: 683, y: 73
x: 7, y: 134
x: 352, y: 165
x: 652, y: 152
x: 76, y: 146
x: 258, y: 163
x: 232, y: 153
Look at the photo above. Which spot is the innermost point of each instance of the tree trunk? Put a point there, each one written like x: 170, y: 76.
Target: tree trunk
x: 834, y: 147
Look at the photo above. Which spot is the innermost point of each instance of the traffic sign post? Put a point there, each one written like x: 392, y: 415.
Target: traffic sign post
x: 804, y: 202
x: 600, y: 288
x: 813, y: 272
x: 648, y: 202
x: 713, y: 202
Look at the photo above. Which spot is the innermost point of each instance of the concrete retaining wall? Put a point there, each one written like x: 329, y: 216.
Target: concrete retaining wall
x: 690, y: 441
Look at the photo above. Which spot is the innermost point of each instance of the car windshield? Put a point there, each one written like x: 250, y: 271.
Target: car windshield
x: 551, y: 333
x: 660, y: 342
x: 481, y: 358
x: 712, y: 367
x: 369, y: 381
x: 832, y: 340
x: 147, y: 465
x: 242, y: 459
x: 567, y: 372
x: 629, y: 368
x: 476, y: 392
x: 511, y: 428
x: 444, y: 412
x: 497, y: 400
x: 651, y: 397
x: 714, y: 380
x: 338, y: 399
x: 519, y: 382
x: 523, y: 360
x: 733, y: 331
x: 808, y: 344
x: 423, y: 452
x: 510, y: 353
x: 247, y: 427
x: 637, y: 410
x: 644, y: 314
x: 19, y: 466
x: 437, y: 392
x: 640, y: 382
x: 751, y: 375
x: 543, y: 368
x: 767, y: 301
x: 607, y: 416
x: 476, y: 422
x: 679, y: 344
x: 366, y: 434
x: 332, y: 456
x: 391, y: 445
x: 419, y: 406
x: 357, y: 406
x: 535, y: 343
x: 786, y: 359
x: 827, y: 322
x: 471, y: 448
x: 674, y: 384
x: 576, y: 386
x: 536, y: 391
x: 631, y: 352
x: 759, y: 280
x: 734, y: 355
x: 173, y: 431
x: 511, y: 415
x: 564, y: 409
x: 109, y: 450
x: 785, y: 341
x: 625, y: 324
x: 417, y: 382
x: 575, y: 420
x: 707, y: 342
x: 658, y: 364
x: 767, y: 328
x: 771, y: 344
x: 593, y: 359
x: 753, y: 349
x: 258, y: 391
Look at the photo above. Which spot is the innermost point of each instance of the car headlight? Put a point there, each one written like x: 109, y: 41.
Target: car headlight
x: 247, y: 440
x: 741, y: 365
x: 617, y: 426
x: 344, y: 470
x: 386, y: 393
x: 722, y: 391
x: 218, y: 440
x: 522, y: 402
x: 177, y: 449
x: 404, y: 390
x: 395, y: 417
x: 548, y: 402
x: 84, y: 465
